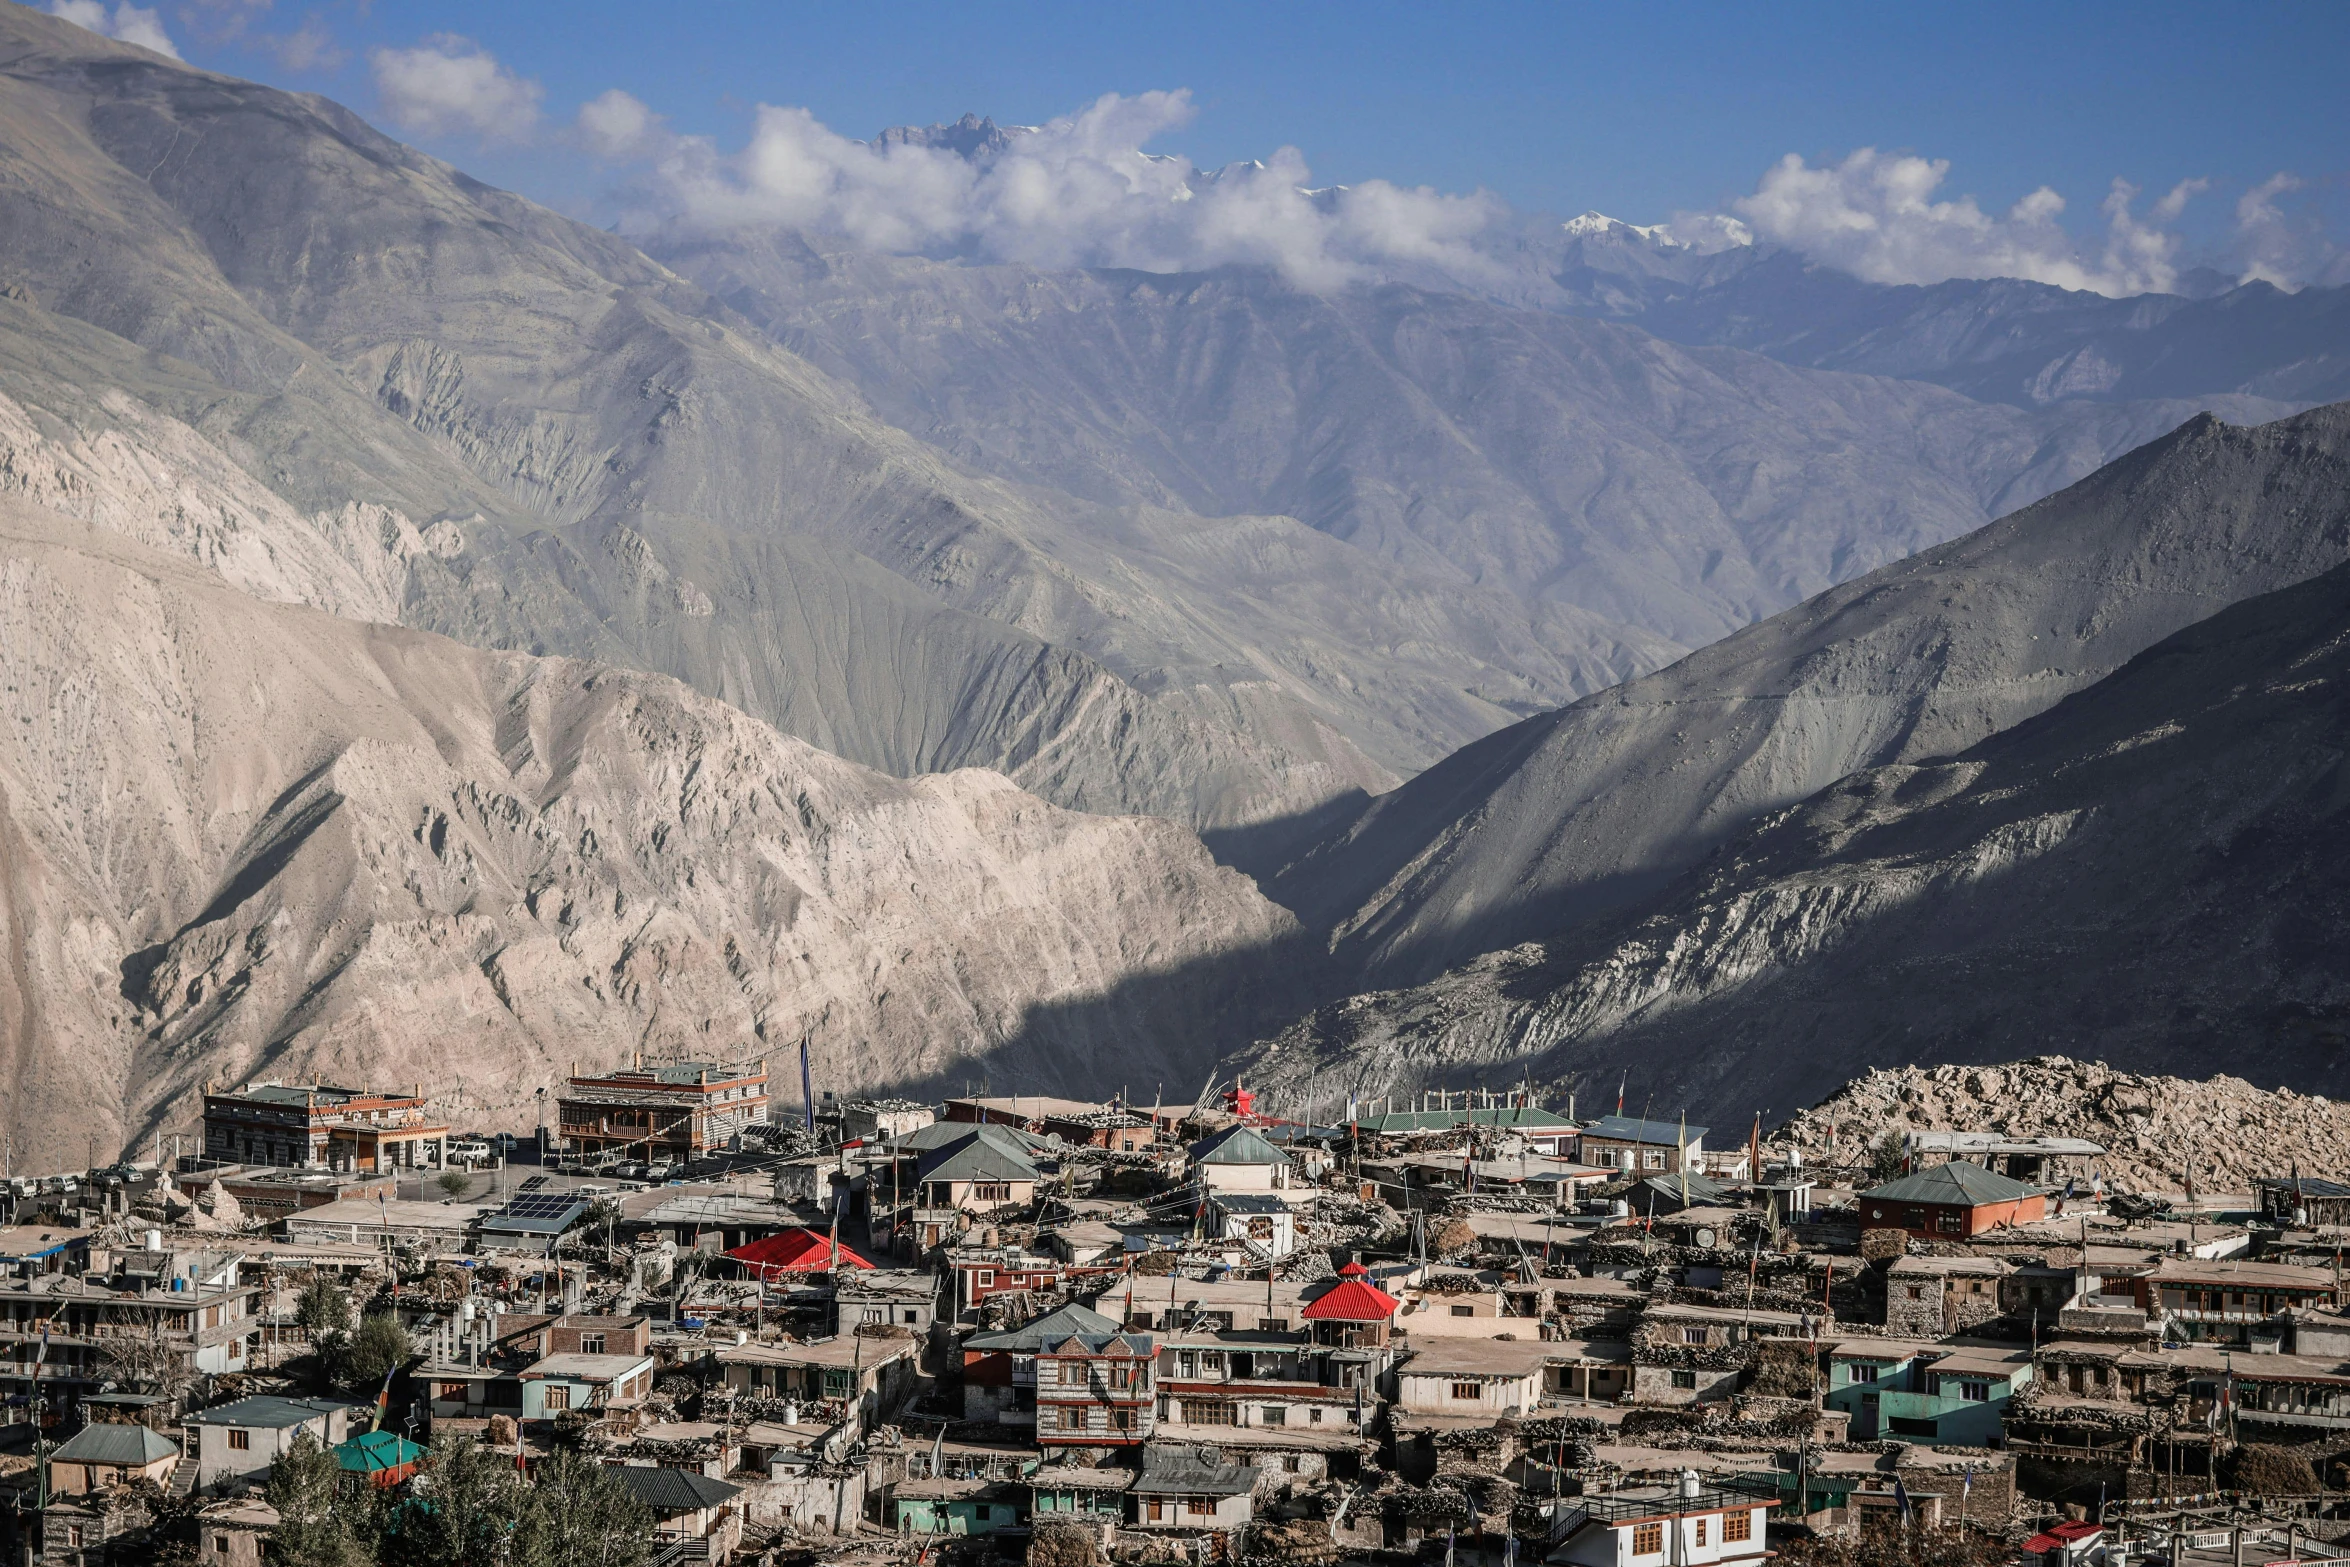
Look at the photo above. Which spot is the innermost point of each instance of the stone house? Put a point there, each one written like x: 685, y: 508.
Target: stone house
x: 1936, y: 1296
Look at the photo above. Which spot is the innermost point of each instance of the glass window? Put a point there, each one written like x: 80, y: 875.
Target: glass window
x: 1467, y: 1390
x: 1737, y: 1527
x: 1684, y: 1379
x: 241, y: 1441
x: 1864, y: 1372
x: 1648, y: 1539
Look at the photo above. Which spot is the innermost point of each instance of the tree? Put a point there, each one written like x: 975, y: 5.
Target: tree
x: 360, y: 1360
x: 1886, y: 1159
x: 146, y: 1360
x: 314, y: 1526
x: 322, y: 1307
x: 582, y: 1516
x: 455, y: 1182
x: 466, y: 1505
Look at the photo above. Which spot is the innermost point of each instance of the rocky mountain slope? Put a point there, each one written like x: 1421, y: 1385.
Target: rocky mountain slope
x: 1595, y: 807
x: 238, y: 838
x: 2149, y: 873
x: 2157, y: 1131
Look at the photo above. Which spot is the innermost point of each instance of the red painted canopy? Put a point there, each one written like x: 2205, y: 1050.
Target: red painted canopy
x: 794, y: 1251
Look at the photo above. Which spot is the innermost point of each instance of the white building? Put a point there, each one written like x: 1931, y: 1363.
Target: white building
x: 1490, y: 1377
x: 1261, y: 1219
x: 1692, y: 1524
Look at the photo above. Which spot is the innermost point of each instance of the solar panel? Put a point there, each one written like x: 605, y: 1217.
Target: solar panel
x: 533, y: 1184
x: 542, y: 1205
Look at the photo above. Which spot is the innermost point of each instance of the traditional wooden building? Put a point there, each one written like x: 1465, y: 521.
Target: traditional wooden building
x: 661, y: 1112
x: 1095, y: 1390
x: 322, y: 1126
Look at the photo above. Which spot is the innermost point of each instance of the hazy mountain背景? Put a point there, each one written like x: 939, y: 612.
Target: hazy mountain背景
x: 2025, y: 852
x: 2005, y: 340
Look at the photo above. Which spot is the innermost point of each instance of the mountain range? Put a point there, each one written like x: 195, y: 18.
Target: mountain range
x: 446, y: 639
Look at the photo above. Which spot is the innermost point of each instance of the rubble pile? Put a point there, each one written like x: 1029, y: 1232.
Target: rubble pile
x: 2157, y: 1131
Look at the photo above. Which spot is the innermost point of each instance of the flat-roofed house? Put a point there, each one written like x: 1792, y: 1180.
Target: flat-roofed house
x: 868, y: 1377
x: 318, y: 1124
x: 1473, y: 1376
x: 1617, y: 1142
x: 1265, y: 1221
x: 663, y: 1112
x: 1950, y: 1202
x: 554, y: 1384
x: 1694, y: 1523
x: 2225, y: 1300
x: 1183, y: 1487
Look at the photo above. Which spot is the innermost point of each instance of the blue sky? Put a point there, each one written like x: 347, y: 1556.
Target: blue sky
x: 1639, y: 111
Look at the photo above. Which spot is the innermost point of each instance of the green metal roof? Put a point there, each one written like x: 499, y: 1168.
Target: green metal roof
x: 372, y: 1452
x: 115, y: 1442
x: 1057, y: 1324
x: 1957, y: 1183
x: 1236, y: 1145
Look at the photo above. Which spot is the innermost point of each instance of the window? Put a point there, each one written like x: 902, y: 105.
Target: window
x: 1655, y: 1160
x: 1951, y: 1222
x: 1737, y: 1527
x: 1700, y: 1539
x: 1464, y: 1311
x: 1314, y: 1415
x: 1685, y: 1379
x: 1648, y: 1539
x: 1198, y: 1507
x: 1695, y: 1335
x: 240, y: 1441
x: 1276, y: 1414
x: 912, y: 1316
x: 557, y: 1396
x: 1467, y: 1390
x: 1975, y: 1392
x: 1121, y: 1419
x: 1187, y: 1364
x: 984, y: 1280
x: 220, y: 1544
x: 1864, y: 1371
x: 991, y: 1191
x: 1209, y: 1412
x: 1917, y: 1292
x: 1293, y: 1465
x: 591, y: 1343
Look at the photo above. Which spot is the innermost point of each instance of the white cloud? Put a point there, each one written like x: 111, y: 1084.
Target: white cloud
x: 617, y: 126
x: 1080, y: 191
x: 1874, y: 215
x: 451, y: 86
x: 129, y: 23
x: 2278, y: 247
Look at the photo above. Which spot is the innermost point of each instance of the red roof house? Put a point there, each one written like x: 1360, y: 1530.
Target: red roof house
x: 2065, y: 1544
x: 1354, y: 1313
x: 793, y: 1251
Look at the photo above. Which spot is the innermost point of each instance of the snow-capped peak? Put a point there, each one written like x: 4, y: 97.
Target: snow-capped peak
x: 1590, y: 225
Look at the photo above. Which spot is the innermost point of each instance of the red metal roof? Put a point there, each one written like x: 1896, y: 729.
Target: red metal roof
x: 795, y: 1251
x: 2064, y: 1534
x: 1351, y: 1300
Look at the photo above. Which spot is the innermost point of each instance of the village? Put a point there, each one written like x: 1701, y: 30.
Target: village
x: 1464, y: 1327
